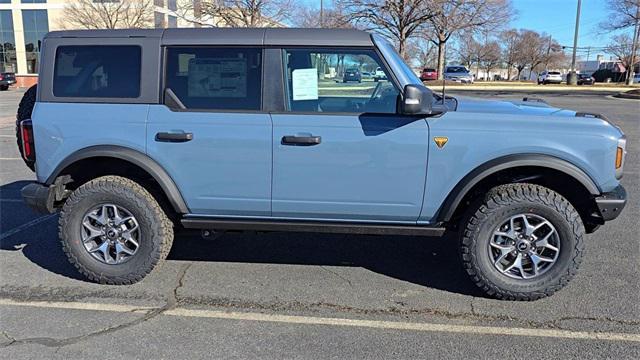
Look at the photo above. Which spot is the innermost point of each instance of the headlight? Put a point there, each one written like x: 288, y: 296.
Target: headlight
x: 621, y: 153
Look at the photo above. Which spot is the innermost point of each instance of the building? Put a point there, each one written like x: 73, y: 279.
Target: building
x: 23, y: 24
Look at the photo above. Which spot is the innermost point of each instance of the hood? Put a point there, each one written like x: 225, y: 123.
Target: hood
x: 527, y: 106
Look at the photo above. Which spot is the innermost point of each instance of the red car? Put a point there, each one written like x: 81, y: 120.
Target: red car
x: 428, y: 74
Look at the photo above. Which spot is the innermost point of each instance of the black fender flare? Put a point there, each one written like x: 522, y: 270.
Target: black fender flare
x: 133, y: 156
x: 455, y: 197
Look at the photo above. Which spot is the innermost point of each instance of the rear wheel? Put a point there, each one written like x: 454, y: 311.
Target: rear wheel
x: 113, y: 231
x: 524, y: 242
x: 25, y: 109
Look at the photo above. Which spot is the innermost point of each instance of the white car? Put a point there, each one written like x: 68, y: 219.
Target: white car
x: 458, y: 74
x: 379, y: 75
x: 549, y: 77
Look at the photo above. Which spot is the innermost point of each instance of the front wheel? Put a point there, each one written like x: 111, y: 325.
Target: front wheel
x: 113, y: 231
x: 524, y: 242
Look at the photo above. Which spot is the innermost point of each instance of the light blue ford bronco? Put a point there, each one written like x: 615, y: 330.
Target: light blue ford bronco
x: 135, y: 133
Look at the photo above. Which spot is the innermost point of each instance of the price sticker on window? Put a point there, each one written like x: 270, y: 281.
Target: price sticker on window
x: 304, y: 83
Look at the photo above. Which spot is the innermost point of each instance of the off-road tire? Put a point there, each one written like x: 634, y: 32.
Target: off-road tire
x: 499, y: 204
x: 25, y: 108
x: 155, y: 228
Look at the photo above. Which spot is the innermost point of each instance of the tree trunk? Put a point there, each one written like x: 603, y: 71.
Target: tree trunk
x: 508, y: 72
x: 441, y: 53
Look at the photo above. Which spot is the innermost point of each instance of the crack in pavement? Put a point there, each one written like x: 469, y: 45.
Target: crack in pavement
x: 337, y: 275
x: 171, y: 302
x: 297, y: 306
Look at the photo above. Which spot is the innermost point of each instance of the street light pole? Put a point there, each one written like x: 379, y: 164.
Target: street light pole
x: 634, y: 47
x: 572, y: 78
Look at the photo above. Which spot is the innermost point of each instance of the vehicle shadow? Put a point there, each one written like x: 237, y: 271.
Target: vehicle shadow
x: 430, y: 262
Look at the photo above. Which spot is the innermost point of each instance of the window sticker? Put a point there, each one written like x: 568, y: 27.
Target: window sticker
x: 304, y: 83
x: 216, y: 77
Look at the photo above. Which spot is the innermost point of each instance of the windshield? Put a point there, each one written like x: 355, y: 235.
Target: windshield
x: 457, y: 69
x: 396, y: 61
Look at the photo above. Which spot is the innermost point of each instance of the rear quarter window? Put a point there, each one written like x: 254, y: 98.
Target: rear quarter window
x: 215, y: 78
x: 97, y: 71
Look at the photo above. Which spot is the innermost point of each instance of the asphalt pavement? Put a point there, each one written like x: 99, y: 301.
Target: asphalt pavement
x: 310, y: 296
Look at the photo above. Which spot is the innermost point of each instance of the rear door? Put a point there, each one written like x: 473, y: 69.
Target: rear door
x: 340, y: 151
x: 211, y: 134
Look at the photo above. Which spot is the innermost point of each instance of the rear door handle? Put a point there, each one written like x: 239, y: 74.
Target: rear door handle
x: 301, y: 140
x: 174, y: 136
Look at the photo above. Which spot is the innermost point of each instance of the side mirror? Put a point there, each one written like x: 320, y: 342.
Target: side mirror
x: 417, y: 100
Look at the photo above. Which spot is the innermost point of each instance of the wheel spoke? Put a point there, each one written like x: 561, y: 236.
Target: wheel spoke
x: 544, y: 242
x: 527, y: 227
x: 504, y: 251
x: 94, y: 232
x: 537, y: 259
x: 517, y: 263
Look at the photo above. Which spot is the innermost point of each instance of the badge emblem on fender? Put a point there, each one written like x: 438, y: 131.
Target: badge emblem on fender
x: 440, y: 141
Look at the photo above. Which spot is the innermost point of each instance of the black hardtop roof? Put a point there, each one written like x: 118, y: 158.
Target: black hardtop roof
x: 232, y: 36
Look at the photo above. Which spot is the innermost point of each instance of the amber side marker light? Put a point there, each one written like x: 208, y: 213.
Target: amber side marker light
x: 619, y: 156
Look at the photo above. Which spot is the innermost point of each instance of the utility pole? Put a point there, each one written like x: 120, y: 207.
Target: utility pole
x: 634, y: 46
x: 572, y: 78
x: 588, y: 52
x: 321, y: 14
x: 546, y: 62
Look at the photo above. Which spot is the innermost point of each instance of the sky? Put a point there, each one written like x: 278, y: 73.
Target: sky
x: 555, y: 17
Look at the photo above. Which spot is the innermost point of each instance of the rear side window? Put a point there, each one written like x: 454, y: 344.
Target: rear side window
x: 215, y: 78
x: 97, y: 71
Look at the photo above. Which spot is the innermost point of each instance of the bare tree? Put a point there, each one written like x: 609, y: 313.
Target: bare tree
x: 490, y: 56
x: 454, y: 16
x: 236, y: 13
x: 422, y: 52
x: 307, y: 17
x: 398, y: 20
x: 114, y: 14
x: 511, y: 48
x: 621, y: 47
x: 622, y: 14
x: 467, y: 50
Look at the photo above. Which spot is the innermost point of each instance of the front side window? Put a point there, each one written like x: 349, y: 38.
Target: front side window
x: 215, y: 78
x: 97, y: 71
x: 338, y: 81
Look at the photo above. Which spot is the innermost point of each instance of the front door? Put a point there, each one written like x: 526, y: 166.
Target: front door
x: 340, y: 151
x: 210, y: 134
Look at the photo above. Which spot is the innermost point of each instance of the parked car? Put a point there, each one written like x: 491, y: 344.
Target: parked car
x: 458, y: 74
x: 549, y: 77
x: 585, y: 79
x: 379, y: 75
x: 7, y: 79
x: 636, y: 78
x: 129, y: 139
x: 352, y: 74
x: 367, y: 75
x: 429, y: 74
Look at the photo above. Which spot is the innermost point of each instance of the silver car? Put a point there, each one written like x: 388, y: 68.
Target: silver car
x: 458, y: 74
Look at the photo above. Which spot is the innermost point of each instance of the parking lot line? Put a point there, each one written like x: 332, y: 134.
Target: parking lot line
x: 360, y: 323
x: 25, y: 226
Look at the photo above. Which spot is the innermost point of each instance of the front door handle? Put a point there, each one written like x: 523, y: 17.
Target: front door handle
x: 174, y: 137
x: 301, y: 140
